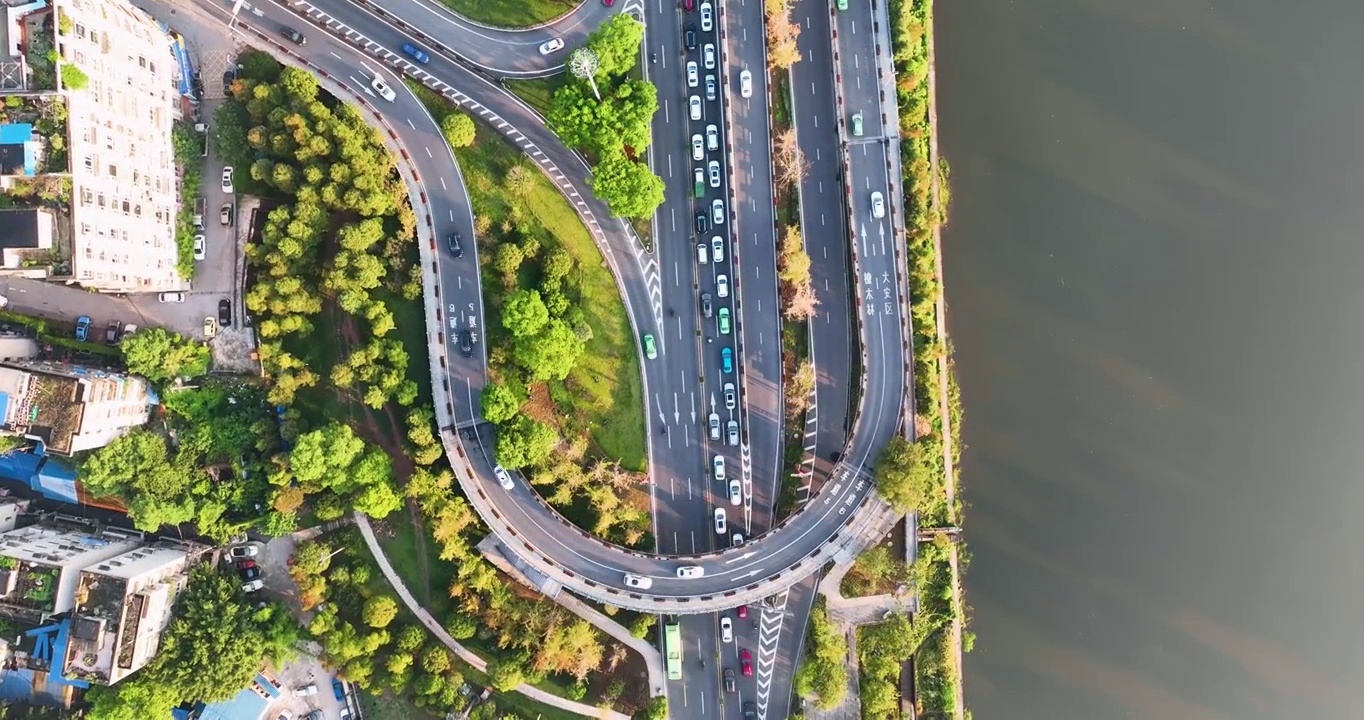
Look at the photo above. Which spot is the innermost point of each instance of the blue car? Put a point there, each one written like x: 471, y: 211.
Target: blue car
x: 83, y: 328
x: 417, y: 53
x: 727, y: 360
x: 339, y: 688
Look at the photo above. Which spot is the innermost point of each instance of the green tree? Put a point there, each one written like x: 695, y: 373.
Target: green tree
x: 138, y: 469
x: 458, y: 129
x: 627, y: 186
x: 159, y: 355
x: 822, y: 677
x: 524, y: 441
x: 551, y: 354
x: 907, y: 476
x: 616, y: 45
x: 436, y: 659
x: 507, y: 260
x: 500, y: 403
x: 556, y: 265
x: 410, y: 638
x: 505, y: 674
x: 524, y: 313
x: 73, y: 78
x: 656, y: 709
x: 379, y: 611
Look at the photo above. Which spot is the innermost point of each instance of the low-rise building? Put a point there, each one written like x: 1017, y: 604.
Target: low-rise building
x: 68, y: 407
x: 40, y: 565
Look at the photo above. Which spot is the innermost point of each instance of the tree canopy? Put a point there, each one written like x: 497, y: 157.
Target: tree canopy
x: 159, y: 355
x: 906, y: 475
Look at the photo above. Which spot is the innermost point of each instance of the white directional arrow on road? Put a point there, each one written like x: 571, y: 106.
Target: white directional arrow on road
x: 693, y: 408
x: 677, y: 412
x: 745, y: 556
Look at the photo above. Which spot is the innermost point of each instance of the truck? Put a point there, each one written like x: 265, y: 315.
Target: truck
x: 200, y: 204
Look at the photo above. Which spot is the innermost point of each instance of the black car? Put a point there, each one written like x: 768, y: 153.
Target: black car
x: 750, y: 711
x: 707, y: 309
x: 702, y: 222
x: 224, y: 313
x: 690, y: 36
x: 456, y: 248
x: 466, y: 343
x: 294, y: 35
x: 114, y: 333
x: 249, y: 574
x: 729, y: 680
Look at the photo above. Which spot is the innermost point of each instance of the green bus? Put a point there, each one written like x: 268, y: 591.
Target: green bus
x: 672, y: 649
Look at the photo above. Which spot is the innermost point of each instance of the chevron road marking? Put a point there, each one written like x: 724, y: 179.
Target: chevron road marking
x: 769, y: 633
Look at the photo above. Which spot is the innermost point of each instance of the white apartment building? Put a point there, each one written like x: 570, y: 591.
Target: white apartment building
x: 121, y: 606
x: 122, y: 160
x: 40, y: 565
x: 68, y: 407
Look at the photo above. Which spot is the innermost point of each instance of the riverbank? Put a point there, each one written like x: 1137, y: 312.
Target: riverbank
x: 941, y: 621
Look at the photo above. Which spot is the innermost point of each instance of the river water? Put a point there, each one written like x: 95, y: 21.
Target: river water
x: 1155, y: 272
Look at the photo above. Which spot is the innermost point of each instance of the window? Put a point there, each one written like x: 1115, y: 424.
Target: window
x: 142, y: 61
x: 80, y: 31
x: 89, y: 163
x: 113, y: 171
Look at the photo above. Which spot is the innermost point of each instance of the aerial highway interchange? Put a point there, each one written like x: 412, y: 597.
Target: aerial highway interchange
x: 675, y: 294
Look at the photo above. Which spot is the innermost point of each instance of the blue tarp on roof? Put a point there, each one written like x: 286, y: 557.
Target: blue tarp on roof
x: 15, y: 133
x: 41, y: 474
x: 245, y: 705
x: 186, y: 68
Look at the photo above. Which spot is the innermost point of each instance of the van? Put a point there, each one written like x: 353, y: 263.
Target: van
x: 701, y: 255
x: 699, y: 180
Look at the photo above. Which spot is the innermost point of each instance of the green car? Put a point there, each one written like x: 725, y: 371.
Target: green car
x: 842, y: 4
x: 723, y: 320
x: 650, y: 351
x: 857, y: 124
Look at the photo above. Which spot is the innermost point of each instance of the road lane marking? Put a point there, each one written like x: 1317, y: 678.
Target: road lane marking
x: 428, y: 152
x: 409, y: 124
x: 442, y: 184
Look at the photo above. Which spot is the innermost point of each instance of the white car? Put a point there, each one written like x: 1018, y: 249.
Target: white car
x: 693, y: 77
x: 227, y: 180
x: 731, y: 397
x: 719, y: 466
x: 550, y: 46
x: 708, y: 55
x: 691, y: 571
x: 698, y: 147
x: 710, y: 88
x: 701, y: 255
x: 722, y: 285
x: 737, y: 540
x: 694, y: 103
x: 726, y: 629
x: 503, y: 477
x: 200, y: 247
x: 736, y: 493
x: 638, y: 582
x: 717, y: 211
x: 878, y: 205
x: 171, y: 297
x: 244, y: 551
x: 717, y: 248
x: 253, y: 586
x: 732, y: 432
x: 707, y: 17
x: 721, y: 522
x: 714, y: 422
x: 746, y: 84
x: 712, y: 137
x: 713, y: 169
x: 383, y: 89
x: 306, y: 690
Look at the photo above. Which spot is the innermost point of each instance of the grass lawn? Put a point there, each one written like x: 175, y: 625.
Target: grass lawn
x: 603, y: 395
x: 403, y: 548
x: 512, y: 13
x: 537, y: 92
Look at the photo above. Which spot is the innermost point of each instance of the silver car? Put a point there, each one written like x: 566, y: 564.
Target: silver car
x: 731, y: 397
x: 693, y: 75
x: 736, y: 493
x: 717, y: 211
x: 719, y: 466
x: 732, y: 432
x: 694, y: 104
x: 721, y: 524
x: 710, y: 88
x: 714, y: 426
x: 708, y: 55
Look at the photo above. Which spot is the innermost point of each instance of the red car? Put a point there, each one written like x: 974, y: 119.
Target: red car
x: 608, y: 3
x: 244, y: 564
x: 743, y: 611
x: 688, y: 5
x: 746, y: 663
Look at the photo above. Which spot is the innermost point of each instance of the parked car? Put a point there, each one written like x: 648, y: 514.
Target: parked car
x: 307, y: 690
x: 200, y: 247
x: 339, y: 689
x: 244, y: 551
x: 171, y: 297
x: 128, y: 329
x: 83, y: 328
x: 210, y: 327
x: 417, y: 53
x: 227, y: 180
x: 225, y: 215
x: 253, y: 586
x: 224, y: 313
x: 114, y: 332
x: 244, y: 564
x: 250, y: 573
